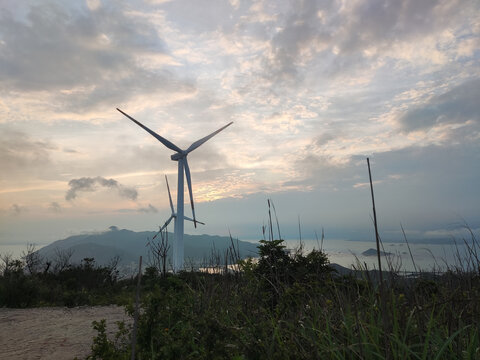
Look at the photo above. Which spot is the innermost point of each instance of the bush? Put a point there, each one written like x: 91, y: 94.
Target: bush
x: 73, y: 285
x: 106, y: 349
x: 287, y: 306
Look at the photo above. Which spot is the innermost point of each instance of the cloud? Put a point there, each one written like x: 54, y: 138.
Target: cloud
x: 87, y: 184
x: 456, y: 106
x: 70, y: 151
x: 19, y: 153
x: 302, y: 30
x: 16, y: 209
x: 382, y: 23
x: 85, y: 57
x: 199, y: 16
x: 334, y: 40
x: 55, y: 207
x: 149, y: 209
x: 127, y: 192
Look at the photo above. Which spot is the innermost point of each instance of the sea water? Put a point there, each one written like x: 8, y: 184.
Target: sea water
x: 426, y: 257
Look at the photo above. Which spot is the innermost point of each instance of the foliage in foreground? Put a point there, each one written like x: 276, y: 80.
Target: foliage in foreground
x: 30, y: 282
x: 293, y: 307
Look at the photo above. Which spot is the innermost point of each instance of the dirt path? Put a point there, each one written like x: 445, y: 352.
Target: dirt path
x: 53, y: 333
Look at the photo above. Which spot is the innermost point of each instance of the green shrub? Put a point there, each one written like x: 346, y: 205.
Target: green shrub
x: 106, y: 349
x: 74, y: 285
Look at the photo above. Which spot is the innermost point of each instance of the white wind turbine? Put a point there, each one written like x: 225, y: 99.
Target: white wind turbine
x: 181, y: 157
x: 173, y: 215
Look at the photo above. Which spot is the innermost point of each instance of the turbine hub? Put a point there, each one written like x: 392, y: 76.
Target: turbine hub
x: 177, y: 156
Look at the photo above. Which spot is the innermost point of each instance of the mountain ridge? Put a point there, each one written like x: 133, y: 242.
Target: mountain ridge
x: 129, y: 245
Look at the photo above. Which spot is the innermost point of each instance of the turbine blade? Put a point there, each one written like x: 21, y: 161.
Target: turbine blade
x: 159, y: 231
x: 164, y: 141
x: 169, y: 196
x: 189, y: 182
x: 197, y: 143
x: 166, y: 223
x: 190, y: 219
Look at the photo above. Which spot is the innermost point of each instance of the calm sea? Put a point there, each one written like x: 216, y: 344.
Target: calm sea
x: 425, y: 256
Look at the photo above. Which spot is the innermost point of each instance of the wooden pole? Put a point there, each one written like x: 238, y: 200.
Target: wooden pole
x: 137, y: 300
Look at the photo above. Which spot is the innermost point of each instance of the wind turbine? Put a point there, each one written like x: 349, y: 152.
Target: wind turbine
x: 173, y: 215
x: 181, y: 157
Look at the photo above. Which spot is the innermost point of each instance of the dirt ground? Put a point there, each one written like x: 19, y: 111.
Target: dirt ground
x: 53, y: 333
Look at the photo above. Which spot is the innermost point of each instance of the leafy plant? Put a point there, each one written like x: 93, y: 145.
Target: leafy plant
x: 105, y: 349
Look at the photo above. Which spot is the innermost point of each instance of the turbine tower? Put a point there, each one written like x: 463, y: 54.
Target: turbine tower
x: 181, y: 157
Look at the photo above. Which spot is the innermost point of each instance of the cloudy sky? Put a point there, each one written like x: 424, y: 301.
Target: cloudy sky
x: 313, y: 88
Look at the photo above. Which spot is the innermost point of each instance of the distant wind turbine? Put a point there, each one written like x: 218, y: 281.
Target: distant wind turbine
x: 180, y: 156
x: 173, y: 215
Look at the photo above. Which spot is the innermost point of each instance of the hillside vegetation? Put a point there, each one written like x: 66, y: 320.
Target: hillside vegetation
x: 293, y: 306
x: 286, y: 305
x: 128, y: 246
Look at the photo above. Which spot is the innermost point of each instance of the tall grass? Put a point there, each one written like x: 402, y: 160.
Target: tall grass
x: 290, y: 306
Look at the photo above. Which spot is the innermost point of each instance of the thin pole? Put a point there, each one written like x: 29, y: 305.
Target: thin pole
x: 375, y: 223
x: 137, y: 300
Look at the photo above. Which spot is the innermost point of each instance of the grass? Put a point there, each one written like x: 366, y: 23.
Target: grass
x: 290, y: 306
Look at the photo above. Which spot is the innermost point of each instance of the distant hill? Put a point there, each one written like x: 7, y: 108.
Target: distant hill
x: 129, y: 245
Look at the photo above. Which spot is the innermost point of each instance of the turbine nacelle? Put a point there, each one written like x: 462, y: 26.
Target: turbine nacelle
x: 178, y: 156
